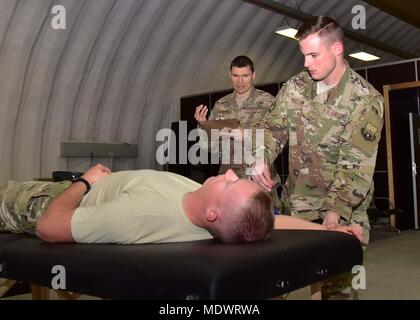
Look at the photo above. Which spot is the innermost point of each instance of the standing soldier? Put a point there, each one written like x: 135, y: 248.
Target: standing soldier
x: 332, y: 119
x: 245, y: 103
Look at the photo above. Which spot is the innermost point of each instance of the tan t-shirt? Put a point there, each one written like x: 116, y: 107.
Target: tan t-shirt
x: 143, y: 206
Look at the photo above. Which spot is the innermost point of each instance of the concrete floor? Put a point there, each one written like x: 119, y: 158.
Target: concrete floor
x: 392, y: 264
x: 393, y: 267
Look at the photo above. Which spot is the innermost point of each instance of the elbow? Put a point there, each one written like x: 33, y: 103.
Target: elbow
x: 43, y: 232
x: 52, y: 229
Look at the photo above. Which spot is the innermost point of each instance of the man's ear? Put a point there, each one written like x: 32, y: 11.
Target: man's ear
x: 253, y: 76
x: 212, y: 214
x: 338, y: 48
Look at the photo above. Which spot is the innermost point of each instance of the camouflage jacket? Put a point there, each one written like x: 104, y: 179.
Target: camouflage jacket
x: 253, y: 110
x: 333, y: 141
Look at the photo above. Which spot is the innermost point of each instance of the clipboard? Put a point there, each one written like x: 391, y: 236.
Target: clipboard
x: 219, y: 124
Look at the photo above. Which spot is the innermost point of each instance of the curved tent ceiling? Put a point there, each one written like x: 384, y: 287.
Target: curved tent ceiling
x: 118, y: 70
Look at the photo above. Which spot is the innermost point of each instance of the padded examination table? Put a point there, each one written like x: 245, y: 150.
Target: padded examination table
x: 291, y: 259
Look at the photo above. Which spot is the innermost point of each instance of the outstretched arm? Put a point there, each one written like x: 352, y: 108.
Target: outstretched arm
x: 288, y: 222
x: 55, y: 223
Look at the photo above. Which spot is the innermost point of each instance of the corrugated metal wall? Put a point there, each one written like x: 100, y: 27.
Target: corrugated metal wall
x: 117, y: 71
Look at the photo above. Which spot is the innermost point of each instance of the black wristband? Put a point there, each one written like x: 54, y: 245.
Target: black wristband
x: 87, y: 184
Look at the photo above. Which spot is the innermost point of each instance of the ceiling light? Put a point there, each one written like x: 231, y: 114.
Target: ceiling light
x: 364, y: 56
x: 287, y: 32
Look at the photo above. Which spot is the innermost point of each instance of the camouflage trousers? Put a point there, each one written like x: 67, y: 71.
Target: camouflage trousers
x: 340, y: 286
x: 22, y: 203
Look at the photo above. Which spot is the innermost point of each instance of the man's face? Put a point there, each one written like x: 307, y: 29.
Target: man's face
x: 229, y: 188
x: 320, y: 59
x: 242, y: 79
x: 221, y: 182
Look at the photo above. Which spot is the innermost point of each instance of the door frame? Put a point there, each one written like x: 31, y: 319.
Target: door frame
x: 387, y: 89
x: 413, y: 139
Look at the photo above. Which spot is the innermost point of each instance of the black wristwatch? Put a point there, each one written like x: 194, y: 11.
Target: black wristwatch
x: 87, y: 184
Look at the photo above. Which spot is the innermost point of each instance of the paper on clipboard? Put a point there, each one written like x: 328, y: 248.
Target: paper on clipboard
x: 219, y: 124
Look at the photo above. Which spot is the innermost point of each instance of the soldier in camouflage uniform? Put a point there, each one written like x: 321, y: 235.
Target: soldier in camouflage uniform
x: 333, y: 139
x: 332, y: 119
x: 245, y: 103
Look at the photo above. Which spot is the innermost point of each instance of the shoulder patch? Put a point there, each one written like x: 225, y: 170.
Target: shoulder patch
x: 369, y: 132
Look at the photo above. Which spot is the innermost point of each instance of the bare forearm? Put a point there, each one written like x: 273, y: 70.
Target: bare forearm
x: 69, y: 199
x: 55, y: 224
x: 288, y: 222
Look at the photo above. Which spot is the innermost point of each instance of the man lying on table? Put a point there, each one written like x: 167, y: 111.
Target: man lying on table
x: 145, y: 206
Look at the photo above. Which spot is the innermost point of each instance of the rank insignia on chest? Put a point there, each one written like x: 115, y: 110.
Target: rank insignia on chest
x: 313, y: 117
x: 299, y: 102
x: 369, y: 132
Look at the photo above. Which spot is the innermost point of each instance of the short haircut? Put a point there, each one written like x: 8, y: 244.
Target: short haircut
x: 327, y: 29
x: 241, y: 62
x: 254, y: 221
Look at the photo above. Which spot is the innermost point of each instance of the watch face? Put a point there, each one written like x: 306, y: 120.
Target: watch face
x: 65, y: 175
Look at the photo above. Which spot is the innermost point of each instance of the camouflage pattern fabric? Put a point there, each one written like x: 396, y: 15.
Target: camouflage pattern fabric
x: 339, y: 288
x: 333, y: 141
x: 250, y: 115
x: 22, y: 203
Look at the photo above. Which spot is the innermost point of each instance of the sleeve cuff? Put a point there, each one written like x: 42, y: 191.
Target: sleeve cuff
x: 341, y: 209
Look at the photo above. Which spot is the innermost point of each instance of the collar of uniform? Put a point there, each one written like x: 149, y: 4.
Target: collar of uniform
x: 345, y: 77
x: 249, y: 101
x: 232, y: 101
x: 334, y: 92
x: 310, y: 91
x: 251, y: 97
